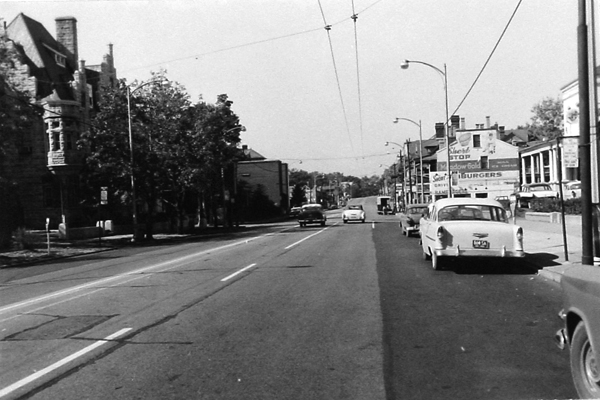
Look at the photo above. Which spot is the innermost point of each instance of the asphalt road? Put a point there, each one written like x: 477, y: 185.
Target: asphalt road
x: 281, y: 312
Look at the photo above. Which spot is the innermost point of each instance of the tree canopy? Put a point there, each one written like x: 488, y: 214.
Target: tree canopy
x: 547, y: 120
x: 179, y: 148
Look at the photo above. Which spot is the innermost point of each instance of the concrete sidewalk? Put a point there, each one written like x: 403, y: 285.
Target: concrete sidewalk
x: 545, y: 244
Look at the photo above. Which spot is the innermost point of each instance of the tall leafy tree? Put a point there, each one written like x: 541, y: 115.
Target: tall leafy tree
x: 179, y: 149
x: 547, y: 120
x: 298, y: 196
x: 18, y: 116
x: 156, y: 110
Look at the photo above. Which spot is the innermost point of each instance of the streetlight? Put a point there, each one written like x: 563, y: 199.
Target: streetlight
x: 444, y: 74
x: 422, y: 197
x: 133, y: 192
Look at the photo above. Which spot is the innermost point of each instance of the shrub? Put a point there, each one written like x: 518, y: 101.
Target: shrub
x: 572, y: 206
x: 25, y: 240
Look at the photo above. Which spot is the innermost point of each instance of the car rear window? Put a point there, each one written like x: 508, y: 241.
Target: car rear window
x: 354, y: 207
x: 472, y: 213
x: 539, y: 188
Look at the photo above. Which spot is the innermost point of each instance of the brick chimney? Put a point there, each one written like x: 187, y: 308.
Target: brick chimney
x: 439, y: 130
x: 66, y: 34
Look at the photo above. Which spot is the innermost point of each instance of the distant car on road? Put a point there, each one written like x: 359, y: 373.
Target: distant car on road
x: 467, y: 227
x: 312, y: 214
x: 294, y: 211
x: 581, y: 332
x: 354, y: 212
x: 410, y: 218
x: 383, y: 205
x: 572, y: 190
x: 532, y: 191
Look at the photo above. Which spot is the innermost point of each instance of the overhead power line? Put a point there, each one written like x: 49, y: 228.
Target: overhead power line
x: 337, y: 78
x: 488, y: 59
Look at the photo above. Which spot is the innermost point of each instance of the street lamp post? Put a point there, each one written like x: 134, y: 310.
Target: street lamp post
x: 444, y: 74
x: 133, y: 191
x: 422, y: 196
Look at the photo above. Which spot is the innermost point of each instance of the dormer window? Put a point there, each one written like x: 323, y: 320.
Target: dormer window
x: 60, y: 58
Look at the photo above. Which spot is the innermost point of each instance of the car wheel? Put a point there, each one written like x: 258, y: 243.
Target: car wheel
x: 437, y: 262
x: 425, y: 256
x: 323, y: 223
x: 585, y: 368
x: 345, y: 221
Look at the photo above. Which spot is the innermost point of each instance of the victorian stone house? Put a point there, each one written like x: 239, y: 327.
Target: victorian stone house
x: 47, y: 162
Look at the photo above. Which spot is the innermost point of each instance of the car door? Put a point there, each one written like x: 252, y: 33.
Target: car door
x: 425, y: 225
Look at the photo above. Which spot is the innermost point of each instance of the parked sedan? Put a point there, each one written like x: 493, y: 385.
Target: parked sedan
x: 466, y: 227
x: 354, y: 212
x: 572, y: 190
x: 535, y: 191
x: 410, y: 217
x: 312, y: 214
x: 581, y: 332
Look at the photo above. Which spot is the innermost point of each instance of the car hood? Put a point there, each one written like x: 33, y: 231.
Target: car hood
x: 414, y: 217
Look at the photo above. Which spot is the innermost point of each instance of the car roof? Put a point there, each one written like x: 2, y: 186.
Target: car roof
x: 417, y: 205
x: 311, y: 205
x: 466, y: 201
x: 537, y: 184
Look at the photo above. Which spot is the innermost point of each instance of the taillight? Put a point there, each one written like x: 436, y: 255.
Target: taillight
x: 440, y: 232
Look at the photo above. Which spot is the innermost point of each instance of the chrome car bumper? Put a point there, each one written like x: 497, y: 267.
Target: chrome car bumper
x: 560, y: 337
x: 459, y: 252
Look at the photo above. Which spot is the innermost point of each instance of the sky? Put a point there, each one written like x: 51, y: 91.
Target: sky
x: 325, y: 100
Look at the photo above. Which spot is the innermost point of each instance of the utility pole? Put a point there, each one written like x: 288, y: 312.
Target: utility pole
x: 587, y: 254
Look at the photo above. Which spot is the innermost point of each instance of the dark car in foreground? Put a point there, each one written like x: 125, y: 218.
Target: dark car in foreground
x: 581, y: 332
x: 312, y: 214
x: 409, y: 218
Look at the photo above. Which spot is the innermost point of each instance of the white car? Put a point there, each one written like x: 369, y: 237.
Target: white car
x: 354, y: 212
x: 572, y: 190
x: 466, y: 227
x: 532, y: 191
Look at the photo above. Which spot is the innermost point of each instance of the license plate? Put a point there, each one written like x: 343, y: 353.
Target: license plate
x: 481, y: 244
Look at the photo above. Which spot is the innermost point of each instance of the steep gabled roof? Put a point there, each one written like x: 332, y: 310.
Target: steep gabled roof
x: 39, y: 49
x: 253, y: 155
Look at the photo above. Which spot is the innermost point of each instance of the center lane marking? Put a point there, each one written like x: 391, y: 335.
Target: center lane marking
x: 238, y: 272
x: 308, y: 237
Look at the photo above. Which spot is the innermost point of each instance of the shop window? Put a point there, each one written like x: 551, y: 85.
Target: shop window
x: 484, y: 162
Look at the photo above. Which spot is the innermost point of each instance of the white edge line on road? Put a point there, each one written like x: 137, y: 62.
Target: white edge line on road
x: 116, y: 277
x: 238, y: 272
x: 306, y: 238
x: 9, y: 389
